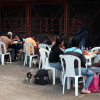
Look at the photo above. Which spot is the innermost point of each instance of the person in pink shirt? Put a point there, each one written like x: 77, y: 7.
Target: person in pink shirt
x: 7, y: 40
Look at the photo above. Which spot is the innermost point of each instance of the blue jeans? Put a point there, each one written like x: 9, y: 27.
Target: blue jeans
x: 88, y: 73
x: 56, y: 65
x: 95, y: 69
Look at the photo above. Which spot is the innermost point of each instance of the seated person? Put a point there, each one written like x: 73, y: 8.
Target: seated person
x: 18, y: 47
x: 49, y: 40
x: 17, y: 38
x: 97, y: 58
x: 31, y: 40
x: 54, y: 58
x: 74, y: 50
x: 96, y: 67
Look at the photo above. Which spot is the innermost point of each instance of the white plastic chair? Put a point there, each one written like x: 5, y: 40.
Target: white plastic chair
x: 27, y: 47
x: 67, y: 62
x: 43, y: 45
x: 2, y: 54
x: 95, y: 49
x: 45, y: 62
x: 97, y: 58
x: 47, y: 47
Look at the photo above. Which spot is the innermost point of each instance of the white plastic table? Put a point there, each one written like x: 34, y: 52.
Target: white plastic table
x: 89, y: 58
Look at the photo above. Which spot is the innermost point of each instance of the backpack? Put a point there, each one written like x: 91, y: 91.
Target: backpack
x: 41, y: 77
x: 94, y: 85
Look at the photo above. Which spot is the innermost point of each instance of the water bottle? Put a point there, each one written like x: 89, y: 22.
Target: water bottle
x: 87, y: 49
x: 82, y: 47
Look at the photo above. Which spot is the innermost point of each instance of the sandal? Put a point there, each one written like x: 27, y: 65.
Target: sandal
x: 86, y: 91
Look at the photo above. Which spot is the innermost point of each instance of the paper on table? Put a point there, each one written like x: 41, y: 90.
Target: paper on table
x: 15, y: 41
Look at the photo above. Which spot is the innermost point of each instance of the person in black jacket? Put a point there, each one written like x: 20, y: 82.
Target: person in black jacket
x: 56, y: 50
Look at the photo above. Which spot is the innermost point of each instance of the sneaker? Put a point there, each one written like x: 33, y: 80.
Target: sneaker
x: 86, y: 91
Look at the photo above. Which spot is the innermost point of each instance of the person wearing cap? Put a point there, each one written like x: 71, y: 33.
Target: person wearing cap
x: 54, y: 59
x: 7, y: 40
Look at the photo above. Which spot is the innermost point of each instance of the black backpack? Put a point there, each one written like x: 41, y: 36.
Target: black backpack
x: 41, y: 77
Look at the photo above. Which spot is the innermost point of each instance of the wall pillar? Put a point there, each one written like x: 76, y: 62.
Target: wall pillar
x: 27, y: 19
x: 66, y: 19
